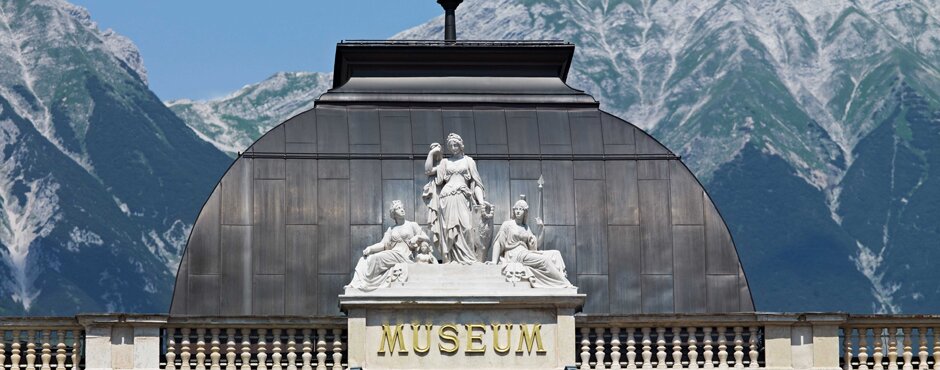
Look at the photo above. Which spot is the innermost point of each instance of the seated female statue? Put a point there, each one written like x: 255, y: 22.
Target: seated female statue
x: 516, y: 247
x: 381, y: 262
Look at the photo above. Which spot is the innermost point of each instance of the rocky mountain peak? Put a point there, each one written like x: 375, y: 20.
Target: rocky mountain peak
x: 98, y: 179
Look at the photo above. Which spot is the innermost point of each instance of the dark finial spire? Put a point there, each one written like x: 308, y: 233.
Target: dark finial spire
x: 450, y: 27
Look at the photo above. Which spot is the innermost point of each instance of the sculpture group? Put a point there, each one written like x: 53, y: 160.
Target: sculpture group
x: 457, y: 221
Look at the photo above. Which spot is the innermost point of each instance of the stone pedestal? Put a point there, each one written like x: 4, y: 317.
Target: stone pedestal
x: 122, y: 342
x: 461, y: 317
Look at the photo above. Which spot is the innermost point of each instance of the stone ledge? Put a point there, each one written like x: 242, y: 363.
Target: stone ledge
x: 461, y: 285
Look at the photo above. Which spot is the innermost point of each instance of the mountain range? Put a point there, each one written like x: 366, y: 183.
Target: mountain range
x: 814, y: 127
x: 99, y: 180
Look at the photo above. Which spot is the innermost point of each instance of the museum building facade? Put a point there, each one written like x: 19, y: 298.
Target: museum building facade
x: 456, y: 204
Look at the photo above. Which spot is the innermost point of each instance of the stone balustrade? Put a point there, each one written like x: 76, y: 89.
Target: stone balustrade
x: 40, y: 343
x: 254, y: 343
x: 682, y: 343
x: 690, y: 341
x: 890, y: 342
x: 703, y: 341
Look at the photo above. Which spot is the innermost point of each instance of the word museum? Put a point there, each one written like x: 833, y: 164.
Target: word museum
x: 455, y: 204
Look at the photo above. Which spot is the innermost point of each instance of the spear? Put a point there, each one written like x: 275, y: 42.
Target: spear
x: 541, y: 182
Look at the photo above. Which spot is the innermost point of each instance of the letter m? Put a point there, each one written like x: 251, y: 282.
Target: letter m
x: 393, y: 339
x: 528, y: 338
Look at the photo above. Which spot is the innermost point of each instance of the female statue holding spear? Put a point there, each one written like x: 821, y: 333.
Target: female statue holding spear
x: 517, y: 249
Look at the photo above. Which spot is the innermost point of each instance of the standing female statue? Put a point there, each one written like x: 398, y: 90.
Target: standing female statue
x: 516, y: 247
x: 455, y: 188
x: 381, y: 263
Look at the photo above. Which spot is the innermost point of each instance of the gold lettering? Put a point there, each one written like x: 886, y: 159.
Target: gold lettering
x: 472, y: 338
x: 393, y: 339
x: 449, y: 338
x: 535, y: 337
x: 415, y: 329
x: 496, y: 345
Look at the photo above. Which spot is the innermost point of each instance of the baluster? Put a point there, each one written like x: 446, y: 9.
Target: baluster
x: 908, y: 352
x: 3, y: 347
x: 599, y: 348
x: 693, y: 347
x: 307, y: 356
x: 863, y: 349
x: 262, y: 349
x: 31, y: 350
x: 661, y: 348
x: 615, y: 348
x: 337, y: 349
x: 246, y: 348
x: 631, y: 349
x: 647, y: 346
x: 738, y: 348
x: 893, y: 349
x: 585, y: 349
x: 15, y: 351
x: 230, y: 349
x: 291, y: 350
x: 936, y: 348
x: 201, y: 349
x: 321, y: 349
x: 752, y: 343
x: 46, y: 357
x: 59, y: 350
x: 184, y: 350
x: 708, y: 351
x: 877, y: 333
x: 922, y: 354
x: 847, y: 348
x: 676, y: 348
x: 276, y: 357
x: 215, y: 350
x: 722, y: 348
x: 170, y: 349
x: 76, y: 349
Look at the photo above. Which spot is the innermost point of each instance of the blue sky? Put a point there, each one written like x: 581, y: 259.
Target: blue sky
x: 207, y: 48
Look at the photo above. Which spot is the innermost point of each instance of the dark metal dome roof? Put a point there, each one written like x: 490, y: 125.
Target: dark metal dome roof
x: 283, y: 229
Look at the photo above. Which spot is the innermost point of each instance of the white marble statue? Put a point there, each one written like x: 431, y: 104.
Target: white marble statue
x: 424, y: 255
x: 516, y: 248
x: 451, y: 195
x: 386, y: 261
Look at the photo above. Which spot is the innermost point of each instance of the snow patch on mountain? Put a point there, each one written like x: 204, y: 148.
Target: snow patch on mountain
x: 30, y: 211
x: 168, y: 245
x: 79, y: 238
x: 869, y: 264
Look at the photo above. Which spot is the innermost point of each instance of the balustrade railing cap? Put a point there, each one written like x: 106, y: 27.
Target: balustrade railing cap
x: 818, y: 317
x: 790, y: 318
x: 256, y: 321
x: 121, y: 318
x: 892, y: 320
x: 33, y: 322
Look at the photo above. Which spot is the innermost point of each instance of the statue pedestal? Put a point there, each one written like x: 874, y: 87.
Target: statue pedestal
x: 461, y: 317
